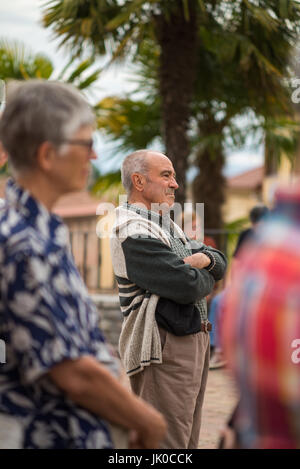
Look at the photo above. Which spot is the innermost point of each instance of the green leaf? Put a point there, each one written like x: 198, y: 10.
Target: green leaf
x: 43, y: 67
x: 19, y: 63
x: 105, y: 182
x: 284, y: 8
x: 89, y: 80
x: 79, y: 70
x: 133, y: 7
x: 202, y: 5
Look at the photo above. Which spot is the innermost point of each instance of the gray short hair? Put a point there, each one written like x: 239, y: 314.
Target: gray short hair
x: 38, y: 111
x: 136, y: 162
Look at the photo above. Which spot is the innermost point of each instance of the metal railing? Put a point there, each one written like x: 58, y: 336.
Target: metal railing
x: 226, y: 239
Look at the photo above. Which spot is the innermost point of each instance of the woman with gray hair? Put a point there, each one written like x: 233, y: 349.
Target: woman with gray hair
x: 59, y: 386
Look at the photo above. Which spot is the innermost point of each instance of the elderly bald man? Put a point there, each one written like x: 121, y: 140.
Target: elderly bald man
x: 60, y: 386
x: 164, y: 343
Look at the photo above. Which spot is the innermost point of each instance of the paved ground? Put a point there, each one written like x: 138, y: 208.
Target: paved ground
x: 219, y: 401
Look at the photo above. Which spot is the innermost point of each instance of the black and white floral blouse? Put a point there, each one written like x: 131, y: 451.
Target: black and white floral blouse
x: 46, y: 316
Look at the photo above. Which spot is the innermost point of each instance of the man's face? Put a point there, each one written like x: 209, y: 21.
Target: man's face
x: 160, y: 184
x: 72, y: 168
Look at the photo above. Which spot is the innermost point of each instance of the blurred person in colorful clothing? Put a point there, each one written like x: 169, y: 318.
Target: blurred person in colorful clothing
x: 257, y: 216
x: 59, y: 387
x: 261, y: 332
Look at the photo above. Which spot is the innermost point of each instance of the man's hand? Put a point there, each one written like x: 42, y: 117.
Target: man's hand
x: 198, y: 260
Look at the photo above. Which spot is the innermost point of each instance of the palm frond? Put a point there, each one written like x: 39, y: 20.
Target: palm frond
x: 105, y: 182
x: 130, y: 124
x: 19, y: 63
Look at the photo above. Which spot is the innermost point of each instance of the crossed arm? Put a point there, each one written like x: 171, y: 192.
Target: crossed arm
x: 153, y: 266
x: 210, y: 258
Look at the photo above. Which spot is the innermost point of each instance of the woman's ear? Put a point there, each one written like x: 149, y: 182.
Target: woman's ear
x: 45, y: 156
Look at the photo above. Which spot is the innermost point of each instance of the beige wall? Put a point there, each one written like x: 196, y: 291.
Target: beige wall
x: 239, y: 203
x: 283, y: 178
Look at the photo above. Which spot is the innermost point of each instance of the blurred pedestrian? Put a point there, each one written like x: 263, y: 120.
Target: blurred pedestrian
x: 217, y: 359
x: 257, y: 215
x: 59, y: 386
x: 261, y: 331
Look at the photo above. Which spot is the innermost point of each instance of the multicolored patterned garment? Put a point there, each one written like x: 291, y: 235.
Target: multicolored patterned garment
x: 261, y: 331
x: 46, y: 316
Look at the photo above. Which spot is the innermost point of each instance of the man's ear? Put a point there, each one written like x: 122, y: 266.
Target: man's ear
x: 138, y: 181
x: 45, y: 156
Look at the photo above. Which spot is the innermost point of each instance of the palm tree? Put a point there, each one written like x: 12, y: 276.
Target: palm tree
x: 246, y: 63
x: 255, y: 38
x: 121, y: 28
x: 129, y: 123
x: 17, y: 62
x: 220, y: 95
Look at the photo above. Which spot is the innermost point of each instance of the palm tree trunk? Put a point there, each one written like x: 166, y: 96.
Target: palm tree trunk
x: 209, y: 185
x: 209, y: 188
x: 178, y: 68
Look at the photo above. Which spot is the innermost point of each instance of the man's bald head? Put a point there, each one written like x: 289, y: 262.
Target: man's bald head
x: 137, y: 162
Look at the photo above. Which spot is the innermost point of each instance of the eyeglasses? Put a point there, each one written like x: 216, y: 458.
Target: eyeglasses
x: 84, y: 143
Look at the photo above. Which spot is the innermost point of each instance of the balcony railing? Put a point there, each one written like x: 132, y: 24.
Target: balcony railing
x: 87, y: 251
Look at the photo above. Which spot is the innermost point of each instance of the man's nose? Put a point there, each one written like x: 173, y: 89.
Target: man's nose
x: 174, y: 184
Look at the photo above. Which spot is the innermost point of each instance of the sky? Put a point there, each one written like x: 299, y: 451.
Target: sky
x: 21, y: 20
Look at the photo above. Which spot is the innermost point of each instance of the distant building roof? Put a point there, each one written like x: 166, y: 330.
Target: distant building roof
x: 252, y: 179
x: 75, y: 204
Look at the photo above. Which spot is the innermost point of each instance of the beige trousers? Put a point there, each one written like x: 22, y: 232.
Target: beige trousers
x: 176, y: 387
